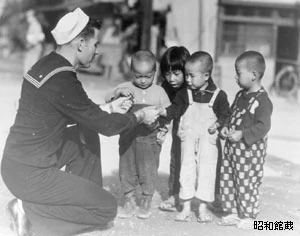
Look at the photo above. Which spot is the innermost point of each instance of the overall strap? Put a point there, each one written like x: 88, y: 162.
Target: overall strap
x: 213, y: 98
x: 253, y: 99
x: 39, y: 84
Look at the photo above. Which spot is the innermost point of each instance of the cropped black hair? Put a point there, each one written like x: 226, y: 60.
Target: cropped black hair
x: 143, y: 56
x: 204, y: 58
x: 174, y: 58
x: 255, y: 61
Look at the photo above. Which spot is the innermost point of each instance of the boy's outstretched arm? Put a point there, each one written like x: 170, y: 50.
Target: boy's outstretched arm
x: 178, y: 106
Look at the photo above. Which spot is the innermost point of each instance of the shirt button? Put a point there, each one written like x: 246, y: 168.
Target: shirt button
x: 143, y: 101
x: 40, y: 76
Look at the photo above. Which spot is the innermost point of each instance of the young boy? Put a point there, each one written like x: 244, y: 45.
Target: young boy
x: 203, y: 108
x: 139, y: 148
x: 246, y: 141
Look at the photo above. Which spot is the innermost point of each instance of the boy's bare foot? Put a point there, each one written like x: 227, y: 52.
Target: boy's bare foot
x: 204, y: 215
x: 183, y: 216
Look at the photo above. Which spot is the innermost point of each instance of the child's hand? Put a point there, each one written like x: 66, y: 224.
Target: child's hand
x: 161, y: 135
x: 162, y: 111
x: 213, y: 128
x: 235, y: 135
x: 224, y: 132
x: 147, y: 115
x: 126, y: 105
x: 123, y: 92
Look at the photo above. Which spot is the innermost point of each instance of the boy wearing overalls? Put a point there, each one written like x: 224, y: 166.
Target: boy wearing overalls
x: 245, y: 147
x: 204, y: 108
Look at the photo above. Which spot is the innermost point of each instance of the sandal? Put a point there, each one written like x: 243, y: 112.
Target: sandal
x: 246, y: 224
x: 183, y: 217
x: 230, y: 220
x: 205, y: 218
x: 168, y: 205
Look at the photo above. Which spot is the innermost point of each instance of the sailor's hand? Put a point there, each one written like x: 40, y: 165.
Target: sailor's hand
x: 147, y: 115
x: 121, y: 105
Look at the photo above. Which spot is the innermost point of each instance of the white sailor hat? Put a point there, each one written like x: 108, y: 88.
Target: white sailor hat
x: 69, y: 26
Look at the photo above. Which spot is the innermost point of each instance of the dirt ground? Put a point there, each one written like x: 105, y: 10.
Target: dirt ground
x: 280, y: 191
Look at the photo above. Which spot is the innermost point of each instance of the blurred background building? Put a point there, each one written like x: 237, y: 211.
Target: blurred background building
x: 268, y: 26
x: 224, y: 28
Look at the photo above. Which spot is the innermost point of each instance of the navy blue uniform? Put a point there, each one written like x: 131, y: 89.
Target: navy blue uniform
x: 39, y: 144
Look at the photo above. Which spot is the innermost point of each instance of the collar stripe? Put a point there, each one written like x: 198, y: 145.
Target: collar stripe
x: 38, y: 84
